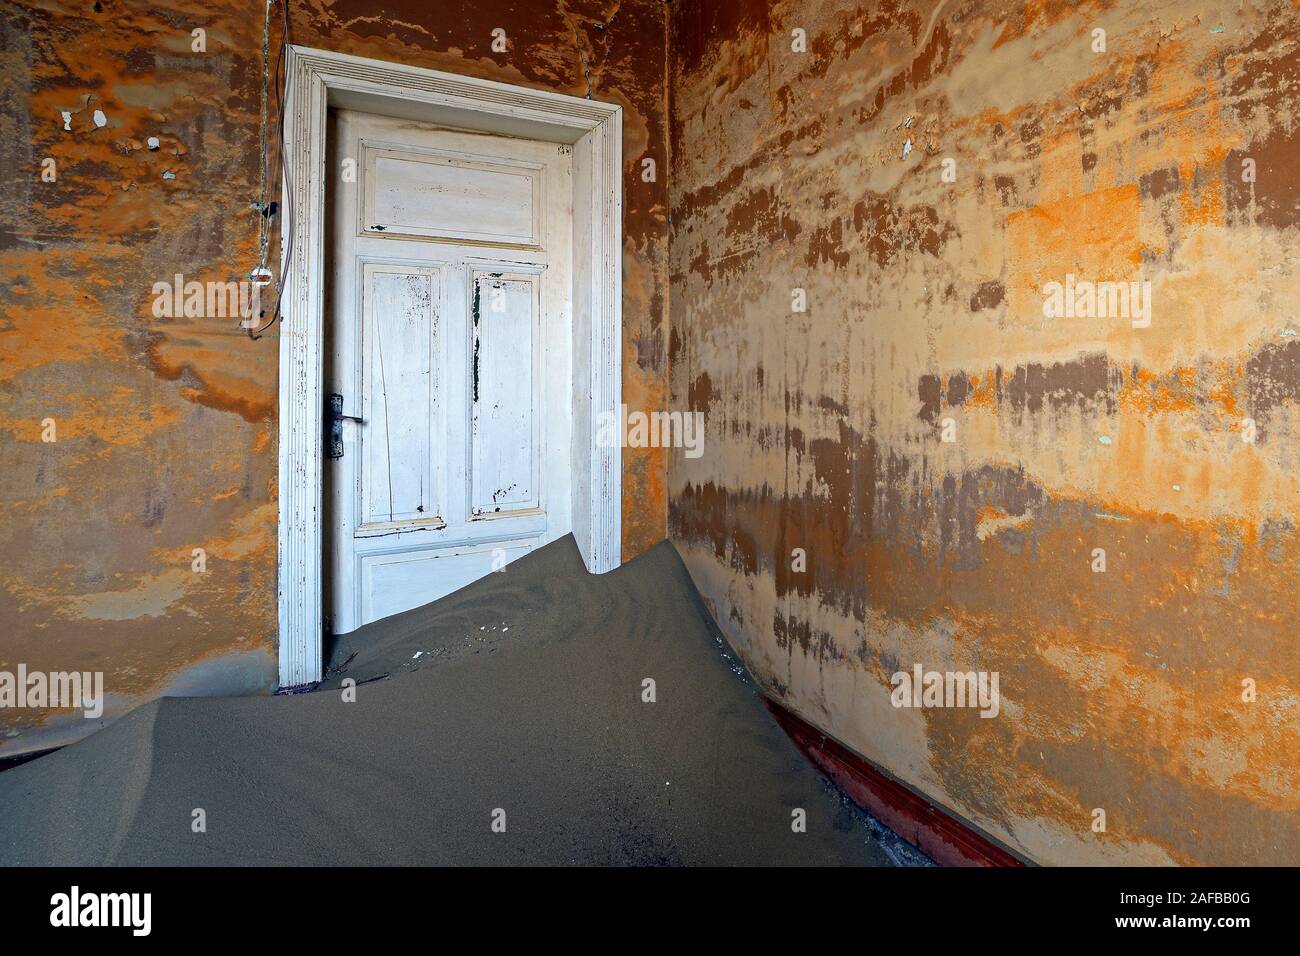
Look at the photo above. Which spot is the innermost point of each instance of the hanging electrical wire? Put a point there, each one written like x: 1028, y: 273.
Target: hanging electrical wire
x: 278, y: 79
x: 263, y: 220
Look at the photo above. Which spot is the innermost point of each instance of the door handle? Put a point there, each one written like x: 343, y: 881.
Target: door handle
x: 334, y: 419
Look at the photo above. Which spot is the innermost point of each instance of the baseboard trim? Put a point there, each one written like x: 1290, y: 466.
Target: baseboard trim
x: 935, y: 832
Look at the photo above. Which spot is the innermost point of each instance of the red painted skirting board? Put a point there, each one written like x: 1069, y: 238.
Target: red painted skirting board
x: 937, y: 834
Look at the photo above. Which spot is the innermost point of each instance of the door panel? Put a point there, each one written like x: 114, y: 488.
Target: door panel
x: 503, y: 424
x: 453, y: 196
x: 389, y: 581
x: 451, y: 335
x: 401, y: 469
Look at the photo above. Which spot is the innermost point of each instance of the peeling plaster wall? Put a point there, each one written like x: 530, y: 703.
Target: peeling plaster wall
x: 166, y: 428
x: 1120, y: 690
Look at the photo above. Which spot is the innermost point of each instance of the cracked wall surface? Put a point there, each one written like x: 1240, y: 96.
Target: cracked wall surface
x: 166, y: 428
x: 824, y: 170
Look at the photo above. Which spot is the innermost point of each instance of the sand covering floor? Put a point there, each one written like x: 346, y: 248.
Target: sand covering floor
x: 521, y: 693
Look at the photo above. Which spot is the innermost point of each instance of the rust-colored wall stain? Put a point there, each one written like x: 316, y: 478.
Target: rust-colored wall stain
x: 167, y: 427
x: 824, y: 171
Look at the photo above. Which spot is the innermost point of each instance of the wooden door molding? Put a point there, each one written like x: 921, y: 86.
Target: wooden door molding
x: 319, y: 80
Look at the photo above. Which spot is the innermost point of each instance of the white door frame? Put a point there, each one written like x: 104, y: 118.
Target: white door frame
x: 318, y: 80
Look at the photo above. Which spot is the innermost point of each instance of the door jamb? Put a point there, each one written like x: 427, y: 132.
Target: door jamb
x: 320, y: 79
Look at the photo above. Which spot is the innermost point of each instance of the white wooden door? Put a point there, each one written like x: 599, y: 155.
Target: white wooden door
x: 451, y: 331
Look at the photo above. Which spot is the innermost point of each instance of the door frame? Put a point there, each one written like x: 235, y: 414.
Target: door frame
x: 318, y: 80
